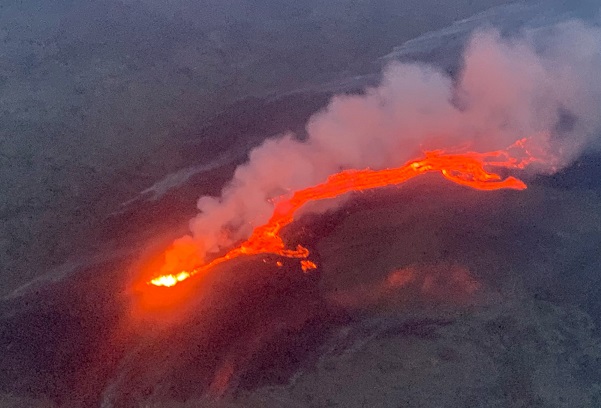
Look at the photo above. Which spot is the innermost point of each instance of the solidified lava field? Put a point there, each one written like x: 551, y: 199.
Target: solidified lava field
x: 116, y: 116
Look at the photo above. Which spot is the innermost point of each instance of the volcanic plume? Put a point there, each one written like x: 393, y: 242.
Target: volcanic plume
x: 528, y: 102
x: 466, y: 169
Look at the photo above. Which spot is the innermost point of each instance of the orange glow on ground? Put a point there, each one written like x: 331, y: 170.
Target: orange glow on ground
x: 467, y: 169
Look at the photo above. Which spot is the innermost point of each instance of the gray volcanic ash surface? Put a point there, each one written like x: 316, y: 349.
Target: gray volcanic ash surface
x: 414, y: 287
x: 116, y: 116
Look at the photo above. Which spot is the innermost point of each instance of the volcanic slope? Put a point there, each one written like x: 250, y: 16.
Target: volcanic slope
x: 432, y: 295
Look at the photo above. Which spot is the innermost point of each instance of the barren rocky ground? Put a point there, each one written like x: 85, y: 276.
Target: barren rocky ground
x: 99, y: 100
x: 115, y: 116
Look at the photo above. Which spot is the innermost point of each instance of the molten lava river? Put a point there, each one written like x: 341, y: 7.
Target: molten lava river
x: 470, y: 169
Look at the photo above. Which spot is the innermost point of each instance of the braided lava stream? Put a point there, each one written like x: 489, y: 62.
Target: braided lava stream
x: 468, y: 169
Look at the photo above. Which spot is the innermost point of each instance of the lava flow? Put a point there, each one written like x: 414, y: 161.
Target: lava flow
x: 468, y: 169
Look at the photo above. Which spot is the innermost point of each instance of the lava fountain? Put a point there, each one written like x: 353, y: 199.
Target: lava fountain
x: 467, y: 169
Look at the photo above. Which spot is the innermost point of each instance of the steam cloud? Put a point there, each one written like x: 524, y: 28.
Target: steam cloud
x: 544, y: 85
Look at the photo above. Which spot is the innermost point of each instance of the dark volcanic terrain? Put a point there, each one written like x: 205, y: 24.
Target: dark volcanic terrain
x: 429, y: 294
x: 115, y: 116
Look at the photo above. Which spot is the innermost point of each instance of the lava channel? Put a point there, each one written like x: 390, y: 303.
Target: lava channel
x: 467, y: 169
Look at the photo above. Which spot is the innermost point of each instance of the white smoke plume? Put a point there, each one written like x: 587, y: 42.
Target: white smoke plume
x: 544, y: 84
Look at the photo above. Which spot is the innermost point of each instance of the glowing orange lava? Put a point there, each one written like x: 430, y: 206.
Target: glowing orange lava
x: 170, y: 280
x: 468, y: 169
x: 307, y: 265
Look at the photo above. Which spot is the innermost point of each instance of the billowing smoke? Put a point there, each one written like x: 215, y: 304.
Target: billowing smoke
x: 544, y: 85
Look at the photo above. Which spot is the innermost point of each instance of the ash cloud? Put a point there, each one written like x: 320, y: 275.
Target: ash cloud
x: 543, y: 84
